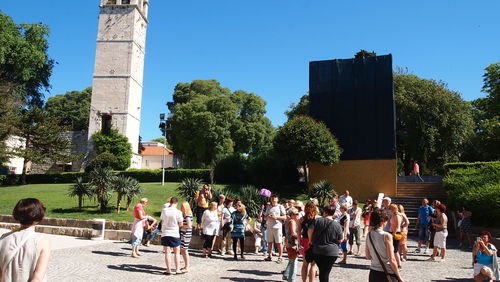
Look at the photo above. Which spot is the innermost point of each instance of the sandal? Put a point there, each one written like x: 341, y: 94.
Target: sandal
x: 167, y: 273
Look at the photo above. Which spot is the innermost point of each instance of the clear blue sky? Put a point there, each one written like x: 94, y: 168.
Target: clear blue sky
x: 264, y: 46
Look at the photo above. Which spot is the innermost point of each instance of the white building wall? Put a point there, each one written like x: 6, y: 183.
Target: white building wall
x: 154, y: 162
x: 15, y: 164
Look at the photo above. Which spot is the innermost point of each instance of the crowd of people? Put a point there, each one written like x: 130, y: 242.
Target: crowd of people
x: 318, y: 235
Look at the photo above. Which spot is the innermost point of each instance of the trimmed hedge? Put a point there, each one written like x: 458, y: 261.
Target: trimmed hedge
x: 142, y: 175
x: 478, y: 187
x: 452, y: 166
x: 171, y: 175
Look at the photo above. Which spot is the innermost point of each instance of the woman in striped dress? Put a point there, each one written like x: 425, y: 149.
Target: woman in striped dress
x: 186, y: 233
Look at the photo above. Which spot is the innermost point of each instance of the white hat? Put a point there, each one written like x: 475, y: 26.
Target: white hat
x: 387, y: 198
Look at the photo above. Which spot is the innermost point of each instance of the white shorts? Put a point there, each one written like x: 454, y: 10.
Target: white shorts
x: 440, y: 239
x: 478, y: 267
x: 274, y: 235
x: 258, y: 240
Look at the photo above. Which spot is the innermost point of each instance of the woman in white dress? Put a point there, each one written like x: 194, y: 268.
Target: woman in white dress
x: 210, y: 226
x: 24, y: 254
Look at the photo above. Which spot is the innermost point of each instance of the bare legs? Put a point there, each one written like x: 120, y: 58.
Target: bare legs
x: 185, y: 257
x: 307, y: 273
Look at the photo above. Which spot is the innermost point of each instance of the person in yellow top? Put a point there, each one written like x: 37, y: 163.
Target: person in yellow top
x: 202, y: 199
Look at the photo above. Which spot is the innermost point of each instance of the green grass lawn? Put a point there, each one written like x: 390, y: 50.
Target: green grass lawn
x: 60, y: 205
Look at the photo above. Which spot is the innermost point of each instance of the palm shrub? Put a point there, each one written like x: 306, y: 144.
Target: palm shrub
x: 322, y: 190
x: 121, y: 185
x: 133, y: 190
x: 251, y: 199
x: 188, y: 188
x: 81, y: 190
x: 101, y: 179
x: 216, y: 192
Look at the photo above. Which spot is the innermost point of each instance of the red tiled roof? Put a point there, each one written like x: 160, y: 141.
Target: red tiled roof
x: 155, y: 151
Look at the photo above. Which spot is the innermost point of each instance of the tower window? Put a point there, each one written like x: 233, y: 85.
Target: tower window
x: 125, y: 2
x: 106, y: 124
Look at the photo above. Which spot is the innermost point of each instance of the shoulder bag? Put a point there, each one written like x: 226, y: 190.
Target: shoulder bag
x: 389, y: 279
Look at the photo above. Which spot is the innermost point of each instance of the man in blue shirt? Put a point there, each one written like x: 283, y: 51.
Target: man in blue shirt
x: 423, y: 222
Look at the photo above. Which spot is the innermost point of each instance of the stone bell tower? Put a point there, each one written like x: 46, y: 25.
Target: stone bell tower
x: 118, y: 70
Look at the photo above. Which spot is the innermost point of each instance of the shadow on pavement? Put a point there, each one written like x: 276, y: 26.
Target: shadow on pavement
x: 142, y: 250
x: 253, y: 272
x: 138, y: 268
x: 245, y: 279
x: 447, y: 279
x: 115, y: 254
x: 353, y: 265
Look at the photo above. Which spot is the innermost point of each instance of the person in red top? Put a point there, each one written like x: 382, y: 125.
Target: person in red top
x: 139, y: 212
x: 416, y: 171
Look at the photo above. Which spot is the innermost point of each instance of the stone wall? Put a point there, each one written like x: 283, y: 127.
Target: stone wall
x: 78, y: 141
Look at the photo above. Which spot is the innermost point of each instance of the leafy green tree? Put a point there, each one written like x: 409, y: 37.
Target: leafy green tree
x: 162, y: 141
x: 102, y: 181
x: 81, y: 190
x: 71, y: 109
x: 42, y: 139
x: 209, y: 122
x: 364, y: 54
x: 300, y: 109
x: 24, y: 63
x: 251, y: 131
x: 105, y: 160
x: 25, y: 68
x: 485, y: 144
x: 492, y: 87
x: 432, y: 122
x: 116, y: 144
x: 304, y: 140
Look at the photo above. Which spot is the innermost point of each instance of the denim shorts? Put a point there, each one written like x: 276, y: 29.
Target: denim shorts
x: 172, y: 242
x: 423, y: 233
x: 135, y: 241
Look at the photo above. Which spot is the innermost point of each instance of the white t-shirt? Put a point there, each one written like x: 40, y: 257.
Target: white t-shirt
x: 356, y: 219
x: 345, y: 200
x: 277, y: 210
x: 171, y: 219
x: 210, y: 222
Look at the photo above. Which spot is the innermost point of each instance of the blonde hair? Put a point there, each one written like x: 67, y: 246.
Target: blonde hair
x: 393, y: 208
x: 212, y: 206
x: 144, y: 200
x: 343, y: 207
x: 187, y: 208
x: 242, y: 209
x: 401, y: 209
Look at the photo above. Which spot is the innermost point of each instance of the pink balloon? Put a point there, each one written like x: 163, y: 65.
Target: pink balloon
x: 265, y: 193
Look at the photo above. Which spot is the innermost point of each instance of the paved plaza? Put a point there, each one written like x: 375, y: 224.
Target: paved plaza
x: 76, y: 259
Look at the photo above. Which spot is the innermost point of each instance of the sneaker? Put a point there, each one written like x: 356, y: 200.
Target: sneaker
x: 425, y: 251
x: 417, y: 250
x: 230, y: 253
x: 403, y: 260
x: 280, y: 260
x: 268, y: 258
x: 147, y: 244
x: 431, y: 259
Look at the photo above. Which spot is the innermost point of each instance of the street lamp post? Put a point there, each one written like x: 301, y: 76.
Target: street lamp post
x: 162, y: 125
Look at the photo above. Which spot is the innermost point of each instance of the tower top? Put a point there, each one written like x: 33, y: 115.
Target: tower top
x: 141, y: 5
